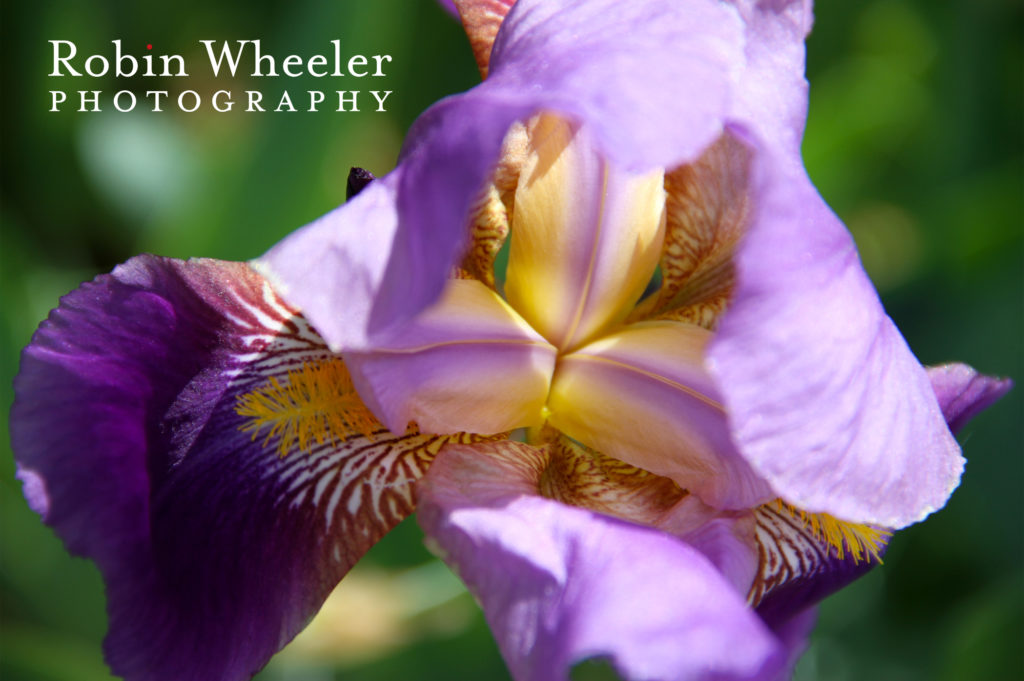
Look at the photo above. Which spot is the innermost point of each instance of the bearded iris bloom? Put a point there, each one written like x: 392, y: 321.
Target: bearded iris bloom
x: 678, y: 420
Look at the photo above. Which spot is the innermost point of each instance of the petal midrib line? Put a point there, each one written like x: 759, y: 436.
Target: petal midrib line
x: 696, y: 394
x: 584, y: 298
x: 442, y: 344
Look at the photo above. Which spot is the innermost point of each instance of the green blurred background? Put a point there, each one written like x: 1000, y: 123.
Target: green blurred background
x: 915, y: 138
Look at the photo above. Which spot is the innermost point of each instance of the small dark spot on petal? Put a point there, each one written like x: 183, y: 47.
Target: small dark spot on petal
x: 358, y: 178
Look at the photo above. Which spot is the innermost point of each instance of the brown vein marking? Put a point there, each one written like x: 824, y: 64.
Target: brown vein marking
x: 482, y: 19
x: 492, y: 211
x: 263, y: 336
x: 583, y: 477
x: 785, y: 551
x: 487, y: 232
x: 710, y: 290
x: 707, y: 211
x: 352, y: 490
x: 361, y: 489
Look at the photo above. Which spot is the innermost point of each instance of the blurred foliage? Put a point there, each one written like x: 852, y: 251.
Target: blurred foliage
x: 914, y: 138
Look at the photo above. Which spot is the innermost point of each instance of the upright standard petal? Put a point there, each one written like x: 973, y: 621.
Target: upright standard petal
x: 158, y: 422
x: 586, y: 236
x: 825, y: 400
x: 771, y: 91
x: 560, y: 584
x: 652, y: 79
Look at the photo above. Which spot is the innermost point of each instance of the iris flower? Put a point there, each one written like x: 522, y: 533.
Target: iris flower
x: 667, y: 424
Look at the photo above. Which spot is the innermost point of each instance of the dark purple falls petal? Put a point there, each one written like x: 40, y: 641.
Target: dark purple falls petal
x: 963, y: 393
x: 216, y: 549
x: 796, y: 570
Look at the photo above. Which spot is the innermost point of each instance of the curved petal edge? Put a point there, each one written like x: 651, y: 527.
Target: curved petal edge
x: 560, y: 584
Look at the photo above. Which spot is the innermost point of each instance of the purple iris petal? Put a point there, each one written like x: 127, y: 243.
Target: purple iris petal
x: 794, y: 634
x: 726, y: 542
x: 214, y: 548
x: 468, y: 363
x: 650, y: 79
x: 770, y: 555
x: 770, y: 97
x: 448, y: 6
x: 825, y: 400
x: 653, y: 79
x: 560, y: 584
x: 333, y: 268
x: 963, y: 393
x: 796, y: 570
x: 642, y: 395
